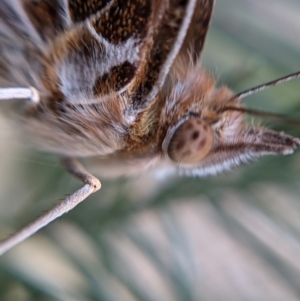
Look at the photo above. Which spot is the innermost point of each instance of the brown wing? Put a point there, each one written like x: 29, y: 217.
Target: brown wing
x: 172, y: 35
x: 195, y: 37
x: 81, y: 10
x: 50, y: 17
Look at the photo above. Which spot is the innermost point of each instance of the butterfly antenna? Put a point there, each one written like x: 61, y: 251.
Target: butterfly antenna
x: 273, y: 116
x: 29, y: 93
x: 265, y: 86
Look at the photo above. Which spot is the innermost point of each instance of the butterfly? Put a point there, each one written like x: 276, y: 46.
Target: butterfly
x: 119, y: 83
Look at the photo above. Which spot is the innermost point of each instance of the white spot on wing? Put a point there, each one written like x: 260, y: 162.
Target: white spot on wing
x: 78, y: 78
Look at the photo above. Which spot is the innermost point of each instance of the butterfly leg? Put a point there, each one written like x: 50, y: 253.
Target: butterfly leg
x: 20, y: 93
x: 92, y: 184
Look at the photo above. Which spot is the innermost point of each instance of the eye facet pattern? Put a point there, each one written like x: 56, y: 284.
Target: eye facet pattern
x: 191, y: 142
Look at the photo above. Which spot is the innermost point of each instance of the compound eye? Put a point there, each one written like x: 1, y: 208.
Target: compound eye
x: 191, y: 142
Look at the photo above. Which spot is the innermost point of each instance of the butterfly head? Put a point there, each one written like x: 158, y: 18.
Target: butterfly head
x: 208, y: 133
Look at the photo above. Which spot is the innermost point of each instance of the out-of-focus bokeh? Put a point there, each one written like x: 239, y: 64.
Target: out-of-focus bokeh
x: 231, y: 237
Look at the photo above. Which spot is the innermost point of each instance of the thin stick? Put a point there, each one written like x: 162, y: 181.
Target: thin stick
x: 92, y: 185
x: 20, y: 93
x: 66, y: 205
x: 264, y: 86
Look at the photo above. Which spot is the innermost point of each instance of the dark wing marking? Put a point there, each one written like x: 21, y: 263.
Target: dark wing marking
x: 195, y: 37
x: 168, y: 37
x: 124, y: 20
x: 81, y: 10
x: 114, y: 80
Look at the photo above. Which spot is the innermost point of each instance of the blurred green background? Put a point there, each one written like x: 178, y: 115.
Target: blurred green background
x: 231, y: 237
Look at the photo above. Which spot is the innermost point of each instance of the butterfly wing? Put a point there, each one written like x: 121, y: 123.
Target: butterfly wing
x: 88, y: 49
x: 99, y: 56
x: 48, y: 17
x: 195, y: 36
x: 182, y: 30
